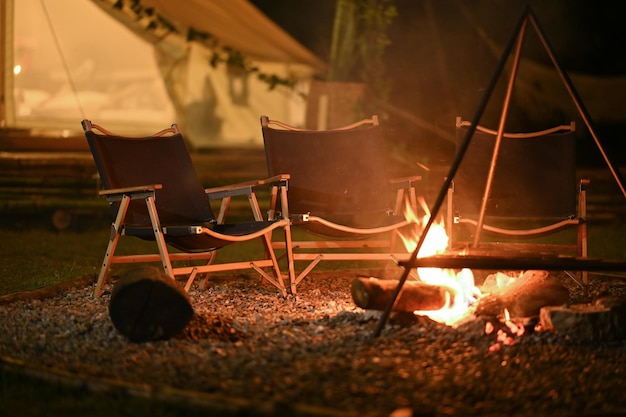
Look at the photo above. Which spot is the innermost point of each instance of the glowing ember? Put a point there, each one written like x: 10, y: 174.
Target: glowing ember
x: 461, y: 284
x: 516, y: 329
x: 489, y: 328
x: 504, y: 337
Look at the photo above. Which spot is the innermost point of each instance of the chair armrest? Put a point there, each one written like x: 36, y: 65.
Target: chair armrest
x: 130, y: 190
x: 224, y: 193
x: 583, y: 183
x: 243, y: 187
x: 404, y: 182
x: 274, y: 180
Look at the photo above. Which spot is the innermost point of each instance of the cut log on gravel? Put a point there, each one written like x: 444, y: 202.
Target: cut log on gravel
x: 374, y: 294
x: 148, y: 305
x: 600, y: 322
x: 524, y: 297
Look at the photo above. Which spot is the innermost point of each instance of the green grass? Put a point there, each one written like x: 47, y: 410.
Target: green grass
x: 34, y: 258
x: 39, y: 256
x: 34, y: 255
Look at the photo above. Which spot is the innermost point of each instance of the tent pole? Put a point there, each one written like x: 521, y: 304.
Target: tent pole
x: 3, y: 29
x: 577, y: 101
x: 7, y: 112
x: 453, y: 168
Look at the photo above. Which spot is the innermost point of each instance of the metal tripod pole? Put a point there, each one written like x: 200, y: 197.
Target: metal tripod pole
x: 501, y: 127
x: 453, y: 168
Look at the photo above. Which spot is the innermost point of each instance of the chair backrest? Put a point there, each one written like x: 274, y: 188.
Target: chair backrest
x: 339, y: 174
x: 158, y: 159
x: 535, y: 174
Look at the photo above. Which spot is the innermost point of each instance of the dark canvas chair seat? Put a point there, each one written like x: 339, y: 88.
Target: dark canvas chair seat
x: 534, y: 192
x: 155, y: 194
x: 338, y: 191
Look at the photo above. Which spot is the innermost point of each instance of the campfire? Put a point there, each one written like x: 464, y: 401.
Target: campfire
x: 461, y: 290
x: 512, y: 303
x: 444, y: 295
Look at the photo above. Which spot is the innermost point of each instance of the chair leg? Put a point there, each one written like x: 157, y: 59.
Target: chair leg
x: 191, y: 278
x: 267, y: 241
x: 449, y: 216
x: 158, y: 236
x: 582, y: 231
x: 108, y: 258
x: 116, y: 233
x: 205, y: 279
x: 284, y: 204
x: 584, y: 254
x: 291, y: 269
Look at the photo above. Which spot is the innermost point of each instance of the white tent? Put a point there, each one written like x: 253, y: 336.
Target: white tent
x: 136, y: 70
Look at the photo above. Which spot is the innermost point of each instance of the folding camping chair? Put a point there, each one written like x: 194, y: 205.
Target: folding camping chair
x: 533, y: 193
x: 338, y: 193
x: 156, y: 195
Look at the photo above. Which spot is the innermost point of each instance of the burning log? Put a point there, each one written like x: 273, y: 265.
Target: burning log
x: 374, y: 294
x: 524, y: 297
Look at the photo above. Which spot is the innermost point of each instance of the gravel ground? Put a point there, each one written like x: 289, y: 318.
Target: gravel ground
x: 251, y: 352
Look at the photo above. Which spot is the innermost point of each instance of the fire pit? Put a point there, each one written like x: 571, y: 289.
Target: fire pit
x: 440, y: 285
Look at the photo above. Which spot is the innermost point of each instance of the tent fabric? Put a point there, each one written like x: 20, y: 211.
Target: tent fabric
x: 240, y: 25
x: 221, y: 105
x: 90, y: 59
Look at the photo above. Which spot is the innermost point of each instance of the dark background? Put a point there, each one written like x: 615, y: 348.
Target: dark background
x: 444, y: 52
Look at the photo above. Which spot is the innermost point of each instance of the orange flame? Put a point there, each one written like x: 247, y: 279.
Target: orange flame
x: 461, y: 284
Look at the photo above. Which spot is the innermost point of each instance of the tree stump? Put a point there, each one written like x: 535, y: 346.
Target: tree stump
x: 148, y: 305
x: 374, y: 294
x: 603, y: 321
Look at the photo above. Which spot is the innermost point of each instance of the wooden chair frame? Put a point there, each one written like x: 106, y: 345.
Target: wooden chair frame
x: 121, y: 199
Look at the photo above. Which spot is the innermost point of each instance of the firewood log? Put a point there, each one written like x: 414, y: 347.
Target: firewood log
x: 148, y: 305
x: 374, y: 294
x: 524, y: 297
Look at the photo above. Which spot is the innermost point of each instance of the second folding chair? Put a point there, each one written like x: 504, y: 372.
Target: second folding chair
x: 338, y: 193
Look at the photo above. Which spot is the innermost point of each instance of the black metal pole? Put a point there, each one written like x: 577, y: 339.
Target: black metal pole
x: 499, y: 135
x: 453, y: 168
